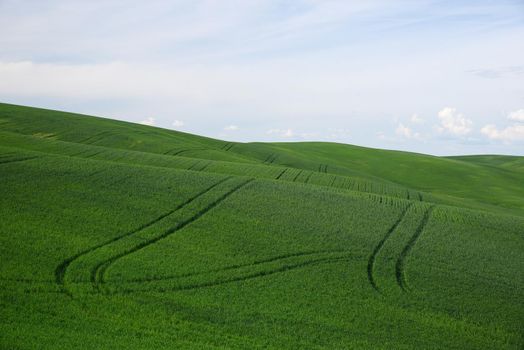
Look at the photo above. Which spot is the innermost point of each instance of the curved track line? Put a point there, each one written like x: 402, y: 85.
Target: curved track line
x: 94, y: 154
x: 84, y: 141
x: 61, y: 269
x: 79, y: 153
x: 98, y: 273
x: 8, y: 154
x: 236, y: 266
x: 378, y: 247
x: 246, y: 277
x: 98, y: 137
x: 400, y: 265
x: 97, y: 172
x: 17, y: 160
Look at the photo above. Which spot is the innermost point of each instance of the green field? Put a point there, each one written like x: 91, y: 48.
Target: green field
x: 116, y: 235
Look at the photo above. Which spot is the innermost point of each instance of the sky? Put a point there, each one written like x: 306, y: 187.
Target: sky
x: 436, y: 77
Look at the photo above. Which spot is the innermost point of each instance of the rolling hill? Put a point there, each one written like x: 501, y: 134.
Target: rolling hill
x: 119, y: 235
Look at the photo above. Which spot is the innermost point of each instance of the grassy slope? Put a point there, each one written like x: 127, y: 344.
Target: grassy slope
x: 108, y: 240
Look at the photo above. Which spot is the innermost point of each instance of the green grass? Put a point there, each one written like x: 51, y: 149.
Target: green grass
x: 116, y: 235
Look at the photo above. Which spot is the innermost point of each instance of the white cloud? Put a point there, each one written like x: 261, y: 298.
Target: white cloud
x: 510, y: 133
x: 416, y: 119
x: 403, y: 131
x: 517, y: 115
x: 149, y: 121
x: 178, y: 123
x: 454, y: 123
x: 231, y: 128
x: 287, y: 133
x: 406, y: 132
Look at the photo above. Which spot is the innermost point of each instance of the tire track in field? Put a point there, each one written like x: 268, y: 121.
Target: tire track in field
x: 206, y: 165
x: 248, y: 276
x: 238, y: 266
x: 8, y: 155
x: 296, y: 176
x: 179, y: 152
x: 95, y: 154
x: 281, y: 173
x: 103, y: 133
x: 97, y: 172
x: 401, y: 261
x: 17, y: 160
x: 61, y: 269
x: 268, y: 158
x: 79, y: 153
x: 308, y: 177
x: 194, y: 165
x: 227, y: 146
x: 98, y: 273
x: 378, y: 248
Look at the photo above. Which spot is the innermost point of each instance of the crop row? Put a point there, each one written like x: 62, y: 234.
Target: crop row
x: 222, y: 167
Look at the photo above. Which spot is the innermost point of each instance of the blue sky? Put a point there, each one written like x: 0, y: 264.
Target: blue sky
x: 438, y: 77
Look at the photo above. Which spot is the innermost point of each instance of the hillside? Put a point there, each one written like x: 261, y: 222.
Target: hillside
x: 118, y: 235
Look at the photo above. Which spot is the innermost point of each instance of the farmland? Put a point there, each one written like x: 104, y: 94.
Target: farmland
x: 118, y: 235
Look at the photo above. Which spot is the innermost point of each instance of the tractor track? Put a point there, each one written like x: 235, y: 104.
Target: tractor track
x: 61, y: 269
x: 270, y: 159
x: 254, y: 275
x: 401, y: 261
x: 94, y: 154
x: 231, y: 145
x: 206, y: 165
x: 308, y: 177
x: 281, y: 173
x: 98, y: 273
x: 296, y: 176
x: 90, y: 138
x: 378, y: 248
x: 194, y: 165
x: 17, y: 160
x: 237, y: 266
